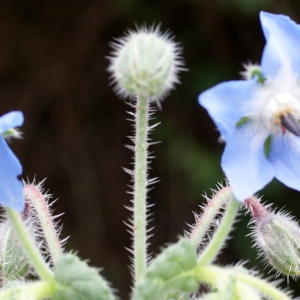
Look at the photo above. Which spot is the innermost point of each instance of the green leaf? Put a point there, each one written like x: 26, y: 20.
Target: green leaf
x: 170, y: 272
x: 267, y: 146
x: 242, y: 121
x: 77, y: 281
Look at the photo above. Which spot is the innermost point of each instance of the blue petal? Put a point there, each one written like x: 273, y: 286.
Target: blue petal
x: 283, y: 43
x: 244, y: 161
x: 285, y: 157
x: 227, y: 102
x: 11, y: 120
x: 11, y: 194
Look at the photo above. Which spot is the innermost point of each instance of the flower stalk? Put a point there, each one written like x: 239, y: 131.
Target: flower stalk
x: 221, y: 234
x: 211, y: 210
x: 140, y: 187
x: 30, y: 249
x: 33, y: 194
x: 143, y: 65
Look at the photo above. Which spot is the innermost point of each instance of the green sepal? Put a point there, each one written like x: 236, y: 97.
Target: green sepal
x: 171, y: 271
x: 75, y: 280
x: 267, y: 146
x: 10, y: 132
x: 241, y: 122
x: 257, y: 73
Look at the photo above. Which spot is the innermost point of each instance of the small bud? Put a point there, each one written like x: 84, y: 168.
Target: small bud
x: 145, y: 63
x: 277, y: 236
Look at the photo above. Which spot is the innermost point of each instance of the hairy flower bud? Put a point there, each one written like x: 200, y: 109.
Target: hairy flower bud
x: 277, y: 235
x: 145, y: 63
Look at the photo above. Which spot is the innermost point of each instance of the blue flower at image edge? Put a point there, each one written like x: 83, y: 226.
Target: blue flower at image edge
x: 253, y: 113
x: 11, y: 188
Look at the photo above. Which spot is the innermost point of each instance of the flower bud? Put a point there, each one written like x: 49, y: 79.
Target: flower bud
x: 145, y: 63
x: 277, y: 235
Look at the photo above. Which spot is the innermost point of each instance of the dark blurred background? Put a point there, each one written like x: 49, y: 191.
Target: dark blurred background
x: 53, y: 68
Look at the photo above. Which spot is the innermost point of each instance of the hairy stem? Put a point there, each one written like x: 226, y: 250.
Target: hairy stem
x: 37, y: 199
x: 140, y: 188
x: 28, y: 245
x: 219, y: 237
x: 211, y: 210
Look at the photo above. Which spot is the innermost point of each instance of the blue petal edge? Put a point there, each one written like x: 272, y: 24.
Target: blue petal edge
x: 227, y: 103
x: 11, y: 188
x: 282, y: 44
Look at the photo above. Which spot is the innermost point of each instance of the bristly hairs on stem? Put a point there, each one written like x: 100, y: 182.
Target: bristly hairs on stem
x: 144, y: 66
x: 131, y: 222
x: 207, y: 221
x: 38, y: 206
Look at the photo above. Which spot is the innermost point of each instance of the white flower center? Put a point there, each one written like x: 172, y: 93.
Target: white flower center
x: 276, y: 98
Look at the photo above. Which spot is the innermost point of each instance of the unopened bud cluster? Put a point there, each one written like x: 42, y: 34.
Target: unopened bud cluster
x: 145, y: 63
x: 277, y: 235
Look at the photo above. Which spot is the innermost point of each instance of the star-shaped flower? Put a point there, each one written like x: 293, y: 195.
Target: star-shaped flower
x: 11, y: 188
x: 258, y: 118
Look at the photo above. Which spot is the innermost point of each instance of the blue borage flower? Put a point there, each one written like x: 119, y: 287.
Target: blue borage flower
x: 258, y: 118
x: 11, y: 188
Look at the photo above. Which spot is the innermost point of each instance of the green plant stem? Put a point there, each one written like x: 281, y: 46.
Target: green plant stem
x: 211, y: 210
x: 213, y: 275
x: 33, y: 193
x: 28, y: 245
x: 34, y: 291
x: 140, y: 188
x: 219, y: 237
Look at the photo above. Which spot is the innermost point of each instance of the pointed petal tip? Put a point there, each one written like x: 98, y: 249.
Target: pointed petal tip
x: 266, y: 16
x: 263, y: 15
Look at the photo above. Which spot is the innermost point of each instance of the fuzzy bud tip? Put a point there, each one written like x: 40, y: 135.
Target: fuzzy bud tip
x: 145, y: 63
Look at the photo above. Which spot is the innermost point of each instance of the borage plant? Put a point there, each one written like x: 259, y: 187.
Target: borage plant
x: 258, y: 119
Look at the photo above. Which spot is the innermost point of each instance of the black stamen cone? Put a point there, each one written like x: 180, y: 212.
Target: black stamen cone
x: 289, y: 122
